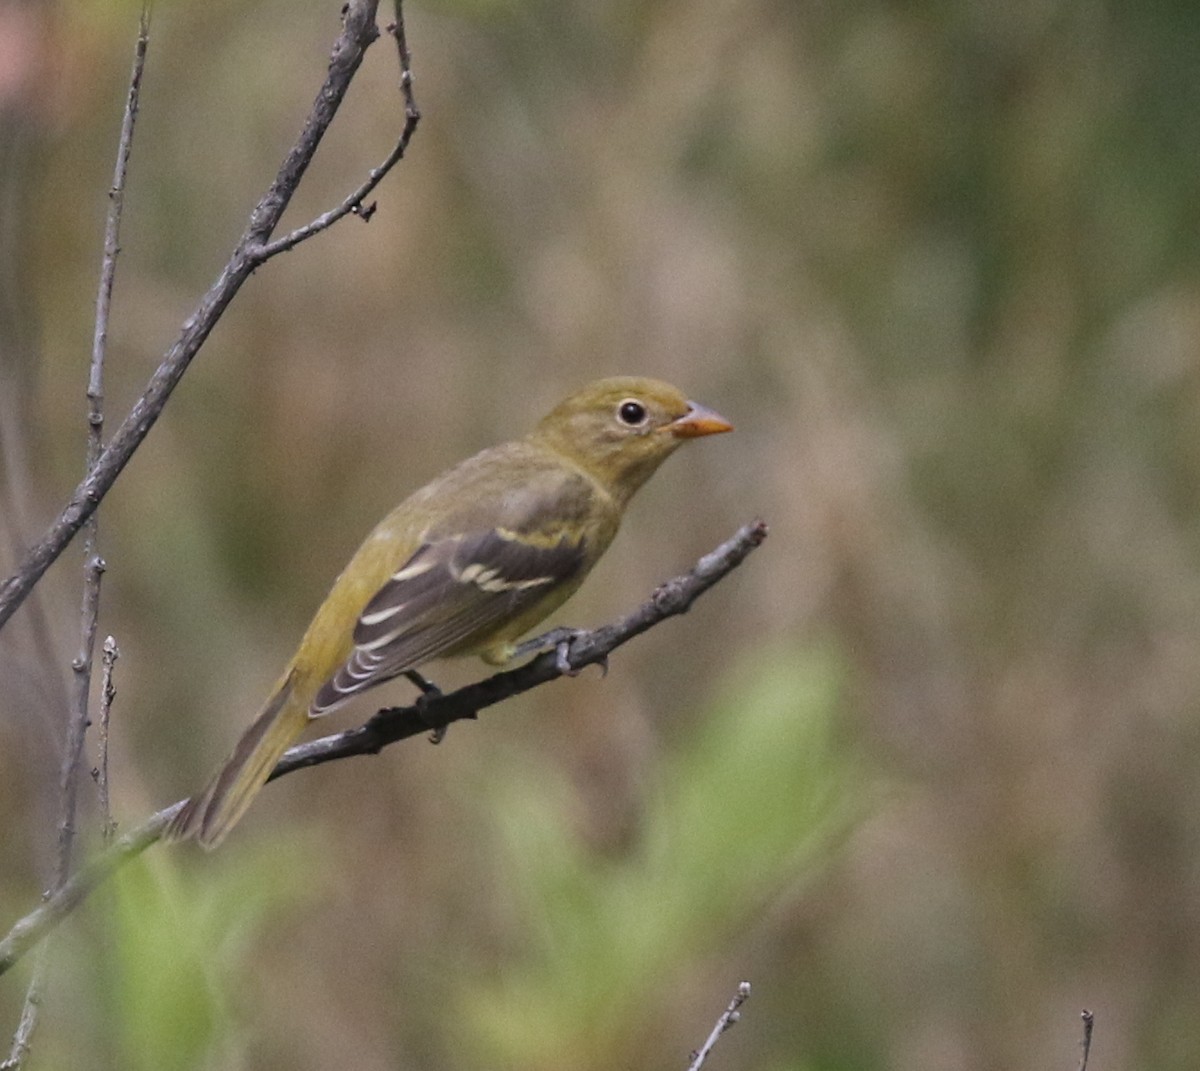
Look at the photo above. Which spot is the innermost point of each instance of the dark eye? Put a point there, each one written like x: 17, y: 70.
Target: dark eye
x: 631, y: 412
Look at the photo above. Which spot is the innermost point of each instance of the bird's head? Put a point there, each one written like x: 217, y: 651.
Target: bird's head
x: 621, y: 429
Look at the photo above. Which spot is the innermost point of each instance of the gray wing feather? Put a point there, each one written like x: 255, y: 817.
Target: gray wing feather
x: 450, y: 590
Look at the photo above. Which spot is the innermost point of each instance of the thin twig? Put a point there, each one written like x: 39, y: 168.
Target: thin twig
x: 93, y: 569
x: 112, y: 240
x: 412, y: 113
x: 108, y: 692
x: 358, y: 32
x: 398, y: 723
x: 81, y: 666
x: 728, y: 1017
x: 1089, y: 1021
x: 93, y: 563
x: 22, y: 1037
x: 353, y: 204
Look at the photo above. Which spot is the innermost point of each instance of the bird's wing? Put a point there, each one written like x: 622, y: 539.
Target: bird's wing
x: 452, y: 591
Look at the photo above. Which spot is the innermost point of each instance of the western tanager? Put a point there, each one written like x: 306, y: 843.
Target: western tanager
x: 464, y: 566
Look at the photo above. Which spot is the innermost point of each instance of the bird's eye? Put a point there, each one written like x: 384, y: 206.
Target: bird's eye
x: 631, y: 412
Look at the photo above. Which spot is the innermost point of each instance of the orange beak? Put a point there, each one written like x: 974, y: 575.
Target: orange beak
x: 697, y: 421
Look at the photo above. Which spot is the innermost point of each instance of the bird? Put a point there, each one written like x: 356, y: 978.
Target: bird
x: 466, y: 565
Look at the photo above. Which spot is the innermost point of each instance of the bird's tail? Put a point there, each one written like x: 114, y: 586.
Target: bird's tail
x: 211, y: 814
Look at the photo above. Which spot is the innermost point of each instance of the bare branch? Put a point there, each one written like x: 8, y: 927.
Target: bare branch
x: 1089, y: 1021
x: 23, y: 1035
x: 354, y: 203
x: 93, y: 569
x: 730, y: 1016
x: 112, y: 241
x: 358, y: 32
x: 72, y: 757
x: 93, y: 563
x: 108, y: 692
x: 398, y: 723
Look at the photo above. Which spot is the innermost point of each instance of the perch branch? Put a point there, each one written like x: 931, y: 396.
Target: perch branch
x: 358, y: 32
x: 397, y: 723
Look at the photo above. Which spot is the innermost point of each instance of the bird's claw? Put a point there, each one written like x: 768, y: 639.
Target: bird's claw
x: 429, y: 692
x: 559, y: 641
x: 562, y: 660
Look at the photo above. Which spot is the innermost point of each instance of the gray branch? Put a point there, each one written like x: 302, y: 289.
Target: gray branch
x: 93, y: 569
x: 730, y: 1016
x: 1085, y: 1046
x: 108, y: 692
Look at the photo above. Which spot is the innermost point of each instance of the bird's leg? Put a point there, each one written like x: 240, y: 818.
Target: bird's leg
x: 429, y: 691
x: 559, y: 640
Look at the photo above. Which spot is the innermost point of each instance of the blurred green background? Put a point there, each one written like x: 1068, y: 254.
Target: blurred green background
x: 926, y: 769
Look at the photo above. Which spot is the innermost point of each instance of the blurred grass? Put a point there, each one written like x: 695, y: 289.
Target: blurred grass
x: 151, y: 979
x: 746, y: 808
x: 176, y: 947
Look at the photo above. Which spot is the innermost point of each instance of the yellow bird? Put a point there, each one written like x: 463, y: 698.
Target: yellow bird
x: 464, y: 566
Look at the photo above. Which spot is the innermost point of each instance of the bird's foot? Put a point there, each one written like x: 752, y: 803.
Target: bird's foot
x: 429, y: 691
x: 559, y: 641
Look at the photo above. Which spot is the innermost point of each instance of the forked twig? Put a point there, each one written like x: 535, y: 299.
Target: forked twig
x: 254, y: 248
x: 353, y: 204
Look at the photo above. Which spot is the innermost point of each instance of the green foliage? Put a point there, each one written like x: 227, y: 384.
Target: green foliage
x: 748, y: 805
x: 175, y: 940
